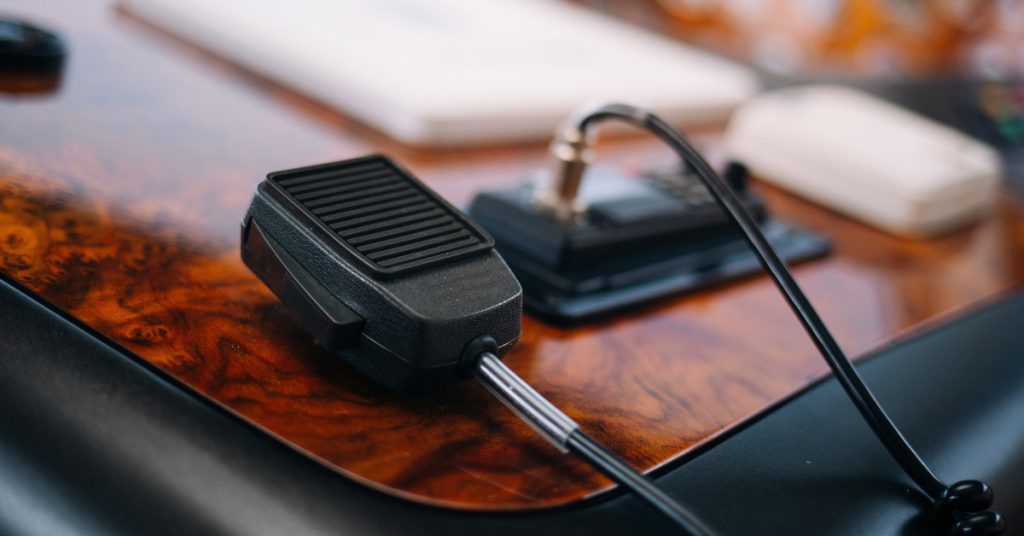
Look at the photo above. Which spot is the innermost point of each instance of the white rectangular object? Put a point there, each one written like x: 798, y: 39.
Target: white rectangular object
x: 867, y: 158
x: 454, y: 72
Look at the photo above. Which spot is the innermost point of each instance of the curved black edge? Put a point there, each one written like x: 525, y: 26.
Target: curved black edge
x: 91, y: 441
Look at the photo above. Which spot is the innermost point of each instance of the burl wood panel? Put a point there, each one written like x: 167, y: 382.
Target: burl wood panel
x: 120, y: 201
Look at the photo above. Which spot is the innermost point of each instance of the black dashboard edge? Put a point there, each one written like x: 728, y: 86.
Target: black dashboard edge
x: 93, y: 440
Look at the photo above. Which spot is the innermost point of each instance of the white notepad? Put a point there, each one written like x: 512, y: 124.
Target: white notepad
x: 456, y: 72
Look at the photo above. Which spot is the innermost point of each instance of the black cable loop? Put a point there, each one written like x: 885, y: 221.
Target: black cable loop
x: 963, y: 506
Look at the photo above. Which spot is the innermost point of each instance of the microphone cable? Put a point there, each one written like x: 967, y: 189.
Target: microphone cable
x: 962, y: 506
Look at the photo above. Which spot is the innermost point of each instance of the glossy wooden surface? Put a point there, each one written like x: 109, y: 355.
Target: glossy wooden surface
x: 120, y: 201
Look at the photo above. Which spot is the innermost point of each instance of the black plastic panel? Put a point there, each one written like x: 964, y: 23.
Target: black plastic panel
x: 643, y: 237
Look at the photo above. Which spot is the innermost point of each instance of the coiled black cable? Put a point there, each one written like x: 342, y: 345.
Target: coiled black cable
x: 963, y: 506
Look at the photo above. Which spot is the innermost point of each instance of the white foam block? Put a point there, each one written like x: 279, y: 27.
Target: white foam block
x: 867, y: 158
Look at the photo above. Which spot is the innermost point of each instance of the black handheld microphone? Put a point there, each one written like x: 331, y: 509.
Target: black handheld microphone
x: 409, y: 291
x: 382, y: 271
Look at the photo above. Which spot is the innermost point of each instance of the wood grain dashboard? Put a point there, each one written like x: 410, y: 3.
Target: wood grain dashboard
x: 121, y: 195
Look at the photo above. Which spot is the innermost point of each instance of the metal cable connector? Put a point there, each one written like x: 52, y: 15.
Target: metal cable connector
x: 571, y: 151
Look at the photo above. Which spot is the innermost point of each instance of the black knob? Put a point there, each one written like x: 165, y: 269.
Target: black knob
x: 736, y: 175
x: 26, y: 47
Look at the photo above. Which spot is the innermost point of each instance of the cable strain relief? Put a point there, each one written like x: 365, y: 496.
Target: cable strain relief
x: 472, y: 352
